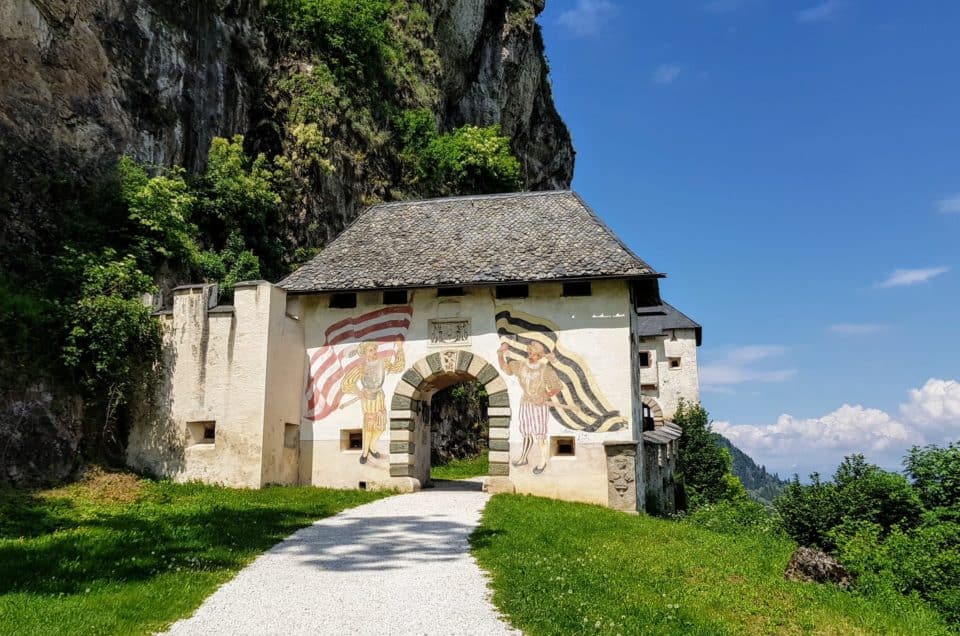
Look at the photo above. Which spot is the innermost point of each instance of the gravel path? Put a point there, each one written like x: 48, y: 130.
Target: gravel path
x: 399, y: 565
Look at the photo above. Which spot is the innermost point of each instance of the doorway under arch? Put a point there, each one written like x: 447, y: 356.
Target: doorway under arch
x: 409, y: 434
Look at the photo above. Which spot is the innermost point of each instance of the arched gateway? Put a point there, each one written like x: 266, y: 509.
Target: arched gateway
x: 409, y: 435
x: 323, y: 378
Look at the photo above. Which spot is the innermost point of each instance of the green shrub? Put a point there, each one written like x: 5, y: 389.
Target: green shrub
x: 924, y: 560
x: 469, y: 160
x: 742, y: 516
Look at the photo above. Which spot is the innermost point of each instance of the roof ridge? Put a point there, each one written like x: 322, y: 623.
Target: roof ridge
x: 473, y: 197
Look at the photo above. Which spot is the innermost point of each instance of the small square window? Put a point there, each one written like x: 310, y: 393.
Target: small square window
x: 395, y: 297
x: 564, y: 447
x: 351, y: 440
x: 343, y: 301
x: 674, y: 363
x: 644, y: 359
x: 449, y: 291
x: 202, y: 432
x: 291, y: 435
x: 577, y: 288
x: 513, y: 291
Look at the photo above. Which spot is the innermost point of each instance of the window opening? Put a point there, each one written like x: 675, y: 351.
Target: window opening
x: 513, y: 291
x: 395, y: 297
x: 577, y: 288
x: 343, y: 301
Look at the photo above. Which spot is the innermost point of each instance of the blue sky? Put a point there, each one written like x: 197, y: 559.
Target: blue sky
x: 794, y: 167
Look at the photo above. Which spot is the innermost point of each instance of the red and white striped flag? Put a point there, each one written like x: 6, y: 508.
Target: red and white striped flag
x: 329, y: 363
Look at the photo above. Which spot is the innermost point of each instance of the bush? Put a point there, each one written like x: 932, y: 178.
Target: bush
x: 470, y: 160
x: 860, y: 492
x: 809, y: 512
x: 736, y: 517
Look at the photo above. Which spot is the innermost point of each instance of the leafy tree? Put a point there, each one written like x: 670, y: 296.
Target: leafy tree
x: 869, y: 493
x: 703, y: 467
x: 161, y: 208
x: 113, y: 340
x: 809, y: 512
x: 935, y: 472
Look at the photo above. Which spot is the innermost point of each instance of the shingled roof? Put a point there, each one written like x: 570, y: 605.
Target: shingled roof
x: 500, y: 238
x: 654, y: 321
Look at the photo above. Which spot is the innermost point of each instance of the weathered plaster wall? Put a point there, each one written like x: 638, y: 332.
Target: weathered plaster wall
x: 670, y: 383
x: 216, y: 370
x: 594, y: 327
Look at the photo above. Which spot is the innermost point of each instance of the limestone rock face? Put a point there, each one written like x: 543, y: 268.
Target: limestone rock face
x: 811, y: 565
x: 39, y: 439
x: 84, y: 81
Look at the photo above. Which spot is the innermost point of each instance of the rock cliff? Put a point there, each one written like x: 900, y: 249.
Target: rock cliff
x: 83, y: 81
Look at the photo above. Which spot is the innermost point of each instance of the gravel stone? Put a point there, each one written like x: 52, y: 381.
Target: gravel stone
x: 400, y: 565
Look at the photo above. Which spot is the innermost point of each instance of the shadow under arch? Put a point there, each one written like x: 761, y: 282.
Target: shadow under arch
x: 655, y: 412
x: 417, y: 385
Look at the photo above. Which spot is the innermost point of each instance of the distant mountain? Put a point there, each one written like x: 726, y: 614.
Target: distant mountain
x: 762, y: 486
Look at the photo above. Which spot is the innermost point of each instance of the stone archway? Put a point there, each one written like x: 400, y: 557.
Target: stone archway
x: 656, y: 412
x: 417, y: 385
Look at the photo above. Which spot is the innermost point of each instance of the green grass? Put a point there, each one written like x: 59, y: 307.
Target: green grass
x: 463, y: 468
x: 136, y: 555
x: 564, y: 568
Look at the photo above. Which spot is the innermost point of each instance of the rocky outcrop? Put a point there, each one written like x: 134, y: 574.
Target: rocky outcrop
x: 39, y: 438
x: 83, y: 81
x: 809, y: 565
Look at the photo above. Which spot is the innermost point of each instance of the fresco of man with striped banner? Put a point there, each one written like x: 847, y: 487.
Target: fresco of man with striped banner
x: 554, y: 381
x: 354, y: 360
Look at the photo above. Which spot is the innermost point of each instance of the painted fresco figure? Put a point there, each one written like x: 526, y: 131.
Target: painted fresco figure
x: 539, y: 383
x: 366, y: 382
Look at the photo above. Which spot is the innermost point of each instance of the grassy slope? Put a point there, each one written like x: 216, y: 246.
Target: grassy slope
x: 462, y: 468
x: 562, y: 568
x: 136, y: 555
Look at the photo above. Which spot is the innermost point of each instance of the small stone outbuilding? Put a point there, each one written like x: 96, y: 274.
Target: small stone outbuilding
x: 326, y: 377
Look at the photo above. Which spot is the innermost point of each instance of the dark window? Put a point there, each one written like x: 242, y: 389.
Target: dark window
x: 355, y: 441
x: 395, y: 297
x: 646, y: 292
x: 210, y: 430
x: 648, y: 423
x: 450, y: 291
x: 512, y: 291
x: 343, y: 301
x: 644, y: 359
x: 674, y: 363
x: 563, y: 446
x: 581, y: 288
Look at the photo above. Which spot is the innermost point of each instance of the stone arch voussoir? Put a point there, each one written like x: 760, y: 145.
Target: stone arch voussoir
x: 410, y: 391
x: 655, y: 410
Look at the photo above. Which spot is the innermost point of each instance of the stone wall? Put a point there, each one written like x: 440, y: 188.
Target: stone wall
x: 232, y: 384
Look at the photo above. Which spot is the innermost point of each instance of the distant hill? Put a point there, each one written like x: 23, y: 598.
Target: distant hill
x: 762, y: 486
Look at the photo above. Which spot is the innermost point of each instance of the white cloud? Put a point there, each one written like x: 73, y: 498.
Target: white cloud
x: 805, y: 445
x: 666, y: 73
x: 587, y: 17
x: 857, y: 329
x: 823, y: 12
x: 934, y: 410
x: 739, y: 365
x: 949, y: 205
x: 903, y: 277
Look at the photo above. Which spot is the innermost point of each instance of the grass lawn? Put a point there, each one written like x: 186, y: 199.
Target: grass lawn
x: 119, y: 555
x: 564, y: 568
x: 462, y: 468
